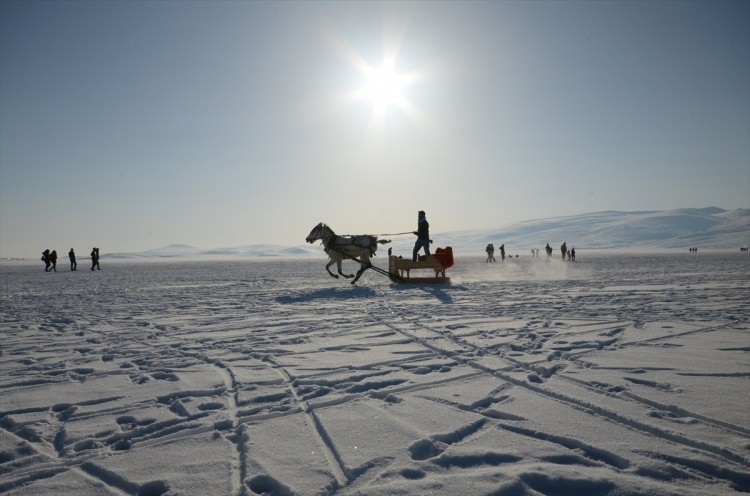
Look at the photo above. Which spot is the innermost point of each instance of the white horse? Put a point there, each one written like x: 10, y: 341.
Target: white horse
x: 338, y: 248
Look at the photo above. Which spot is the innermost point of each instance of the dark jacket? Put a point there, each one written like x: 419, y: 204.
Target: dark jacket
x: 423, y: 229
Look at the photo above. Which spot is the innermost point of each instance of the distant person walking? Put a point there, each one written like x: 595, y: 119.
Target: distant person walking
x: 548, y: 249
x: 423, y: 235
x: 95, y: 259
x: 502, y: 252
x: 490, y: 253
x: 53, y: 260
x: 73, y: 263
x: 564, y: 250
x: 45, y: 259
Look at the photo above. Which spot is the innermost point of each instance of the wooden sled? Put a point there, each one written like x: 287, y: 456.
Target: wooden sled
x: 400, y: 268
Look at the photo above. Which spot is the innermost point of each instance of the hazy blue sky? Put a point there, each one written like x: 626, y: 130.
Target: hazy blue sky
x: 131, y: 125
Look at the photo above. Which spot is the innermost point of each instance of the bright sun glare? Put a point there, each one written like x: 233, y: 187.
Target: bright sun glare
x: 383, y: 86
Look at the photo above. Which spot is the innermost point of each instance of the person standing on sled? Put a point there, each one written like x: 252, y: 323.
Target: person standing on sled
x: 423, y: 236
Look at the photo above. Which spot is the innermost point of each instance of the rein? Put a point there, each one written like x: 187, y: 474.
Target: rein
x: 327, y: 240
x: 383, y: 234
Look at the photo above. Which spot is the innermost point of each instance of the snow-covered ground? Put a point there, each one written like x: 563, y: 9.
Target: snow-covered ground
x: 618, y: 374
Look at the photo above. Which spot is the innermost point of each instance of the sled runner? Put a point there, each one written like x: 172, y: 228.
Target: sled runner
x: 399, y: 268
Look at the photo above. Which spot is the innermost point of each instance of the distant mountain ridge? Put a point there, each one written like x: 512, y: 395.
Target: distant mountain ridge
x: 710, y: 227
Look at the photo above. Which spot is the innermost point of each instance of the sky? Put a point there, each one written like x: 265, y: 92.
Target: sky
x: 132, y: 125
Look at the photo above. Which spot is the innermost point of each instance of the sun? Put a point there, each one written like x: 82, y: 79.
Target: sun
x: 383, y: 86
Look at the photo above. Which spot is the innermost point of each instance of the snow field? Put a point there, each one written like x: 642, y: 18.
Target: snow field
x: 613, y: 375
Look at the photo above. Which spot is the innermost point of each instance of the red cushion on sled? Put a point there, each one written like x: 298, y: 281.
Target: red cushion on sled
x: 445, y: 256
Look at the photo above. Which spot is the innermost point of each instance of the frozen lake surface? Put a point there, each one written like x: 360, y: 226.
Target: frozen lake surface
x: 614, y: 375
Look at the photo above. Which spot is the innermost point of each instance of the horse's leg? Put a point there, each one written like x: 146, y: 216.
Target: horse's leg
x: 336, y: 258
x: 364, y: 264
x: 329, y: 270
x: 338, y: 264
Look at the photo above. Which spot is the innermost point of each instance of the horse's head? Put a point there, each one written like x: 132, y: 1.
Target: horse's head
x: 318, y: 232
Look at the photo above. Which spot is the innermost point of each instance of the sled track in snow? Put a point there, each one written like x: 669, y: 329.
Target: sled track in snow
x: 471, y: 351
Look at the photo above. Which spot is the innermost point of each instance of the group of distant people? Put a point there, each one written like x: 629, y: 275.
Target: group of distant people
x: 570, y: 254
x: 423, y: 243
x: 564, y: 252
x: 50, y: 260
x: 491, y: 253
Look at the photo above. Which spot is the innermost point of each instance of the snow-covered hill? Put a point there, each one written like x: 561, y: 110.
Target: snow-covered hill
x: 682, y: 228
x: 657, y: 229
x: 662, y: 229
